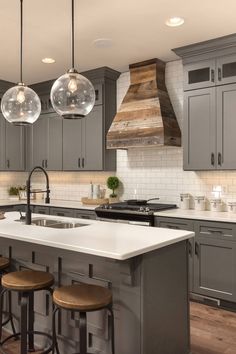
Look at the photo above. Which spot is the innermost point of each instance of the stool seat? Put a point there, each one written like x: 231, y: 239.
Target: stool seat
x: 82, y: 297
x: 27, y: 280
x: 4, y: 263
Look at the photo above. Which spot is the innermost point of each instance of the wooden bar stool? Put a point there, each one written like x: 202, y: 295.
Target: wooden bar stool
x: 4, y: 265
x: 84, y: 298
x: 26, y: 283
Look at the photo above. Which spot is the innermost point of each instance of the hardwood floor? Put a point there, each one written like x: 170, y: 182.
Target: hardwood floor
x: 213, y: 331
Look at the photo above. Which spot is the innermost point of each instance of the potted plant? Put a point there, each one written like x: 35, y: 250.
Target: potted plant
x: 113, y: 184
x: 13, y: 193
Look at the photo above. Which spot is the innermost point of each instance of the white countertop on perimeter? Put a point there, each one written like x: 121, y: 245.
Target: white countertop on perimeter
x: 106, y: 239
x: 199, y: 215
x: 53, y: 203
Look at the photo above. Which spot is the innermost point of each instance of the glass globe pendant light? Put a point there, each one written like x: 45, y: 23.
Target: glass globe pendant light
x: 20, y: 104
x: 72, y: 95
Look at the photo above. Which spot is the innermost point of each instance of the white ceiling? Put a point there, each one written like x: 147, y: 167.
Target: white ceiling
x: 136, y: 27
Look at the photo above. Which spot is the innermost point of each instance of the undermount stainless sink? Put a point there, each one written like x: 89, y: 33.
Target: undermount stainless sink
x: 56, y: 224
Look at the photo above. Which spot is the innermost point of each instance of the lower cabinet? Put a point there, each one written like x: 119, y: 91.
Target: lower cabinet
x: 180, y: 224
x: 67, y: 212
x: 212, y: 256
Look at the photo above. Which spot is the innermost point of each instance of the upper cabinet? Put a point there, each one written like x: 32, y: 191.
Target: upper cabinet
x: 209, y: 104
x: 75, y: 145
x: 212, y: 72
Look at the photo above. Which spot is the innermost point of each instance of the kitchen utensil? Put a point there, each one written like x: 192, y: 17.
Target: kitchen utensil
x: 139, y: 201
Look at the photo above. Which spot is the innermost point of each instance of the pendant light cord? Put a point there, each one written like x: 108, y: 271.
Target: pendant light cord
x: 21, y: 41
x: 72, y: 33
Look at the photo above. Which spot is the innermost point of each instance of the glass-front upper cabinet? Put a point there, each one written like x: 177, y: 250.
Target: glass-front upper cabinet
x: 200, y: 74
x: 226, y: 69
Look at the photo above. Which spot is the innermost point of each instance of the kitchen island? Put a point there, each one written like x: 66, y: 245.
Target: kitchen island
x: 146, y: 269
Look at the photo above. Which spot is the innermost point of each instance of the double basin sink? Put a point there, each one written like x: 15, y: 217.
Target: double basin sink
x: 56, y: 224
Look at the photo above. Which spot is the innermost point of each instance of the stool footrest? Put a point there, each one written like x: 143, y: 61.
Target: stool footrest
x: 37, y: 333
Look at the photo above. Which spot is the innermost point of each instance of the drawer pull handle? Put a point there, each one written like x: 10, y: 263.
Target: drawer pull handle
x: 219, y: 159
x: 190, y: 248
x: 212, y: 159
x: 212, y: 75
x: 219, y: 74
x: 196, y: 249
x: 215, y: 231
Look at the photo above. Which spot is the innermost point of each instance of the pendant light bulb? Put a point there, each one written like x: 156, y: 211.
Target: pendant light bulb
x: 72, y: 86
x: 72, y: 94
x: 20, y: 96
x: 20, y: 105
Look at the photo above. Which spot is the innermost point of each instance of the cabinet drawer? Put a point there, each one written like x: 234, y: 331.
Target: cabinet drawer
x: 216, y: 230
x: 85, y: 215
x: 70, y: 213
x: 41, y: 210
x: 177, y: 224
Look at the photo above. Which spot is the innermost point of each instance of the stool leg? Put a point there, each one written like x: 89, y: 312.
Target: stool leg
x: 112, y: 329
x: 31, y: 322
x: 23, y: 324
x: 10, y: 314
x: 1, y: 310
x: 83, y: 332
x: 54, y: 335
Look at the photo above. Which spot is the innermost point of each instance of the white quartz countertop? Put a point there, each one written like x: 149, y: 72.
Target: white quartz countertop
x: 53, y: 203
x: 199, y: 215
x: 106, y: 239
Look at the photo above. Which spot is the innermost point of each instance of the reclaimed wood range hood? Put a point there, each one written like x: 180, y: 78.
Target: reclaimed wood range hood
x: 146, y: 116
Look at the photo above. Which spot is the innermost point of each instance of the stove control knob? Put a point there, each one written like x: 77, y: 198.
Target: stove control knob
x: 105, y: 206
x: 141, y: 209
x: 109, y: 207
x: 147, y: 210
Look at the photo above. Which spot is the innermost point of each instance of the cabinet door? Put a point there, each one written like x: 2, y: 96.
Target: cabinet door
x: 215, y: 268
x: 180, y: 224
x: 39, y: 142
x: 199, y: 136
x: 54, y: 154
x: 199, y: 75
x: 15, y: 148
x: 226, y: 127
x: 94, y: 140
x: 72, y: 144
x: 226, y: 69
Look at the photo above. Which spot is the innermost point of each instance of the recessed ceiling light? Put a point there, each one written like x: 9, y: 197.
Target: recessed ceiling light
x: 175, y: 21
x: 102, y: 43
x: 48, y: 60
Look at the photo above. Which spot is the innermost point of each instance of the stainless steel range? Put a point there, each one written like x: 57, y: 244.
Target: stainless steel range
x: 138, y: 212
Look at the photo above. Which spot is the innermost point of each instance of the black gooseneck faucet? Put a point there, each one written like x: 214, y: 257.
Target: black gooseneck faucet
x: 28, y: 192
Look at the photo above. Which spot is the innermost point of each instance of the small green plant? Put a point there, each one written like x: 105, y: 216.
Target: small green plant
x: 113, y: 183
x: 13, y: 191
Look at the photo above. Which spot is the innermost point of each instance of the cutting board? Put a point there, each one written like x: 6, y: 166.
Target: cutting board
x: 98, y: 201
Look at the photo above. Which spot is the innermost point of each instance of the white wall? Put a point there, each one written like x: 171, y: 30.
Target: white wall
x: 148, y: 172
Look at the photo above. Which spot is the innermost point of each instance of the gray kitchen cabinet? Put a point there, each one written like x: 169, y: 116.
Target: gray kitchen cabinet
x: 83, y: 142
x: 200, y: 74
x: 12, y: 146
x: 180, y: 224
x: 45, y: 142
x: 85, y: 214
x: 72, y: 144
x: 215, y: 268
x: 226, y: 69
x: 94, y: 140
x: 199, y: 130
x: 226, y: 127
x: 70, y: 213
x: 37, y: 209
